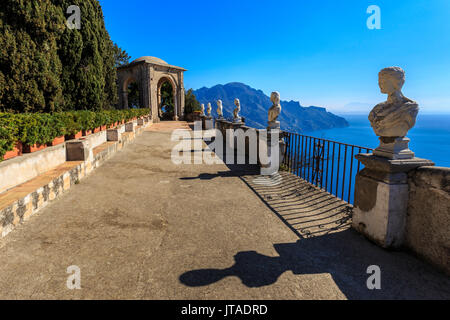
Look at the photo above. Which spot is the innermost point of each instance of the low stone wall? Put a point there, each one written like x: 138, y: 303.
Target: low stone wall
x: 28, y: 166
x: 28, y: 197
x: 428, y: 219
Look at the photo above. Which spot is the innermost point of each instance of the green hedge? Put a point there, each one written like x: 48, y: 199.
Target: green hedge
x: 42, y: 128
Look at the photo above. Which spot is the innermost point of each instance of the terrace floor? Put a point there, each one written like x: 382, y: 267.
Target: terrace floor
x: 142, y: 227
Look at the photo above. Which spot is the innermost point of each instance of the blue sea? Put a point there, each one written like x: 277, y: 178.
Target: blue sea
x: 430, y: 137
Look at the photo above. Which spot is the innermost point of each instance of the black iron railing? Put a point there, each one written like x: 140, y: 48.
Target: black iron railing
x: 327, y: 164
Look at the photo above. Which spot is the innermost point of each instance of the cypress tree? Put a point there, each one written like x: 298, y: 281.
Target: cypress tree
x: 30, y: 68
x: 45, y: 66
x: 87, y: 56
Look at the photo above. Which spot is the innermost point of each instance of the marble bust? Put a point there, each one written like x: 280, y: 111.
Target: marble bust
x: 220, y: 108
x: 203, y: 109
x: 236, y: 111
x: 209, y: 109
x: 274, y: 110
x: 391, y: 120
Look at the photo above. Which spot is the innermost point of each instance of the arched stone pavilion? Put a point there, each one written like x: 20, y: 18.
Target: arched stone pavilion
x: 150, y: 73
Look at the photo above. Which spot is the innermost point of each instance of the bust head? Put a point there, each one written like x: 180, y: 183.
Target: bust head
x: 209, y: 105
x: 237, y: 102
x: 275, y: 98
x: 219, y: 103
x: 391, y: 79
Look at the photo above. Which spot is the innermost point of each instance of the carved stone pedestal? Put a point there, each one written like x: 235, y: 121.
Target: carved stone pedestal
x: 274, y: 147
x: 381, y: 198
x: 394, y: 148
x: 208, y: 123
x: 273, y: 125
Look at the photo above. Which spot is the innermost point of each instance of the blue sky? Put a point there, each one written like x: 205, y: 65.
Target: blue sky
x: 317, y: 52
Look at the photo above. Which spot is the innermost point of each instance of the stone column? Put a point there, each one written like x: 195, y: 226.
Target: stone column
x: 275, y: 145
x: 381, y: 198
x: 175, y: 104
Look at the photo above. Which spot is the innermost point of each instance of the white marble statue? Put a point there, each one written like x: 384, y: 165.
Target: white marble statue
x: 236, y: 111
x: 219, y: 108
x: 274, y: 110
x: 202, y: 109
x: 209, y: 109
x: 391, y: 120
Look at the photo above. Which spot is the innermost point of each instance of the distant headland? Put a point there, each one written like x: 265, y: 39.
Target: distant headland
x: 294, y: 117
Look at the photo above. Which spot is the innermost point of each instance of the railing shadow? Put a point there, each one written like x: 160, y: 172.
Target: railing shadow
x: 326, y: 244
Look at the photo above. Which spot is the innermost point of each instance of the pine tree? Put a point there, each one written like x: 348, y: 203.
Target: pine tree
x: 191, y: 103
x: 121, y: 57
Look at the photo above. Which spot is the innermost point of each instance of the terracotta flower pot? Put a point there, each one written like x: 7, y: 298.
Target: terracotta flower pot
x: 17, y: 151
x: 103, y: 128
x: 33, y: 148
x: 86, y: 132
x: 77, y: 135
x: 96, y: 130
x: 56, y: 141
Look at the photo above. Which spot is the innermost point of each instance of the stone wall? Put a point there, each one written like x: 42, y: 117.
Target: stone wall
x: 38, y: 178
x: 428, y: 219
x: 28, y: 166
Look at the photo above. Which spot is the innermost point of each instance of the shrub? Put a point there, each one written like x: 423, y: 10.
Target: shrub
x: 35, y: 128
x: 8, y: 133
x: 42, y: 128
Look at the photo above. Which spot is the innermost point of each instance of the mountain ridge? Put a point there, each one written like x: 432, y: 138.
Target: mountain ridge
x: 255, y: 104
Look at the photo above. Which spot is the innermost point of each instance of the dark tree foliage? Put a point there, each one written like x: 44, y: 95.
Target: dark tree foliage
x: 191, y: 103
x: 30, y: 68
x: 167, y: 103
x: 45, y: 66
x: 121, y: 57
x: 133, y: 95
x: 87, y: 55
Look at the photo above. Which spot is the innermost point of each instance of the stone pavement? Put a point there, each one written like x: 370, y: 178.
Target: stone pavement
x: 141, y: 227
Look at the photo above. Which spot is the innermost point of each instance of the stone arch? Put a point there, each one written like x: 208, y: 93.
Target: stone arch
x: 131, y: 79
x: 150, y: 73
x: 163, y: 79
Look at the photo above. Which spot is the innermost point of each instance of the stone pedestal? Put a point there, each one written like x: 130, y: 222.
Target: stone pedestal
x: 381, y: 198
x: 207, y: 123
x: 394, y: 148
x: 112, y: 135
x: 238, y: 120
x: 273, y: 125
x: 275, y: 146
x: 129, y: 126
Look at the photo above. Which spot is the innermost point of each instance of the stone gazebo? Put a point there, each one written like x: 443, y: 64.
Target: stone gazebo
x: 150, y: 74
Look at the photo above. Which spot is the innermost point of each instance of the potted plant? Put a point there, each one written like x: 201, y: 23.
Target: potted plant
x: 72, y: 126
x: 15, y: 152
x: 58, y: 129
x: 34, y: 131
x: 86, y: 121
x: 10, y: 147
